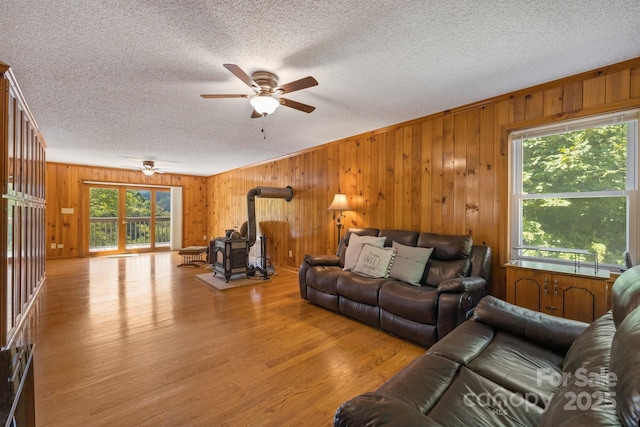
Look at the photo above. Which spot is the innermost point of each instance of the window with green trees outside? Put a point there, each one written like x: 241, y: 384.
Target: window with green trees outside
x: 575, y: 187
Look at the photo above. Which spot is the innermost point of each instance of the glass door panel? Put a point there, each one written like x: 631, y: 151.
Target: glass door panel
x: 163, y: 218
x: 138, y: 219
x: 104, y: 230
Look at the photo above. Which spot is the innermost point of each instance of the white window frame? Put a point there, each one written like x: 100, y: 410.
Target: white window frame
x: 630, y: 193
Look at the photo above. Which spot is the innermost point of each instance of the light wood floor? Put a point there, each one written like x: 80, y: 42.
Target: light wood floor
x: 137, y: 341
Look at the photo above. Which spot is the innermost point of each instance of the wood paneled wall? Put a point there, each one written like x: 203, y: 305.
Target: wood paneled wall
x: 65, y: 190
x: 443, y: 173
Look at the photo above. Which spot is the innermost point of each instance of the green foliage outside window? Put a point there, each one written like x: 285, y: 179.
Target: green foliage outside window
x: 589, y: 160
x: 103, y: 203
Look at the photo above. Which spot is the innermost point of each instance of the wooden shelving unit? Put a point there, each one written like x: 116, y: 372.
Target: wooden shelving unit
x: 22, y: 234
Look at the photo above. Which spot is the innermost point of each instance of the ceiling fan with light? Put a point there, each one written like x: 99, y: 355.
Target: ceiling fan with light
x: 148, y: 168
x: 266, y: 97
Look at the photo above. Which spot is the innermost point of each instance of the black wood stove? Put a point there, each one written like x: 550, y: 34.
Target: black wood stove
x: 229, y: 255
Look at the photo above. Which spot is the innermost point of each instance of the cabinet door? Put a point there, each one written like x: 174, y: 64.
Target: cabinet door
x: 582, y: 299
x: 525, y: 288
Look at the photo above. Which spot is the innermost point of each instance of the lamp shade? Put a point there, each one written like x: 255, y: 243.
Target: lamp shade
x: 264, y: 104
x: 340, y: 203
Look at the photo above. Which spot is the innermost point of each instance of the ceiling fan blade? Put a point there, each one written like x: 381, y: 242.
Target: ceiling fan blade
x: 297, y: 105
x: 255, y: 115
x: 237, y: 71
x: 297, y: 85
x: 226, y: 96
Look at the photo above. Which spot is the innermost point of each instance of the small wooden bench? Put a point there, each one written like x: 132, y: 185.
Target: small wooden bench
x: 192, y: 255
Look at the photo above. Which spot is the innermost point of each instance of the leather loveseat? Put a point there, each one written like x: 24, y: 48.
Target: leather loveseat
x: 448, y: 287
x: 510, y: 366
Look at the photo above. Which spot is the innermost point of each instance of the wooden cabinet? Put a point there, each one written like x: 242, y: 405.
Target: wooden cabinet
x: 577, y: 297
x: 17, y: 391
x: 22, y: 217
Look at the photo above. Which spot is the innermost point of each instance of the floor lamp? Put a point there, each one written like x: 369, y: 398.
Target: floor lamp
x: 340, y: 204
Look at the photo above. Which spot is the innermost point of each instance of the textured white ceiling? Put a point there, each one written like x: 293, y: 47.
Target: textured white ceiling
x: 115, y: 82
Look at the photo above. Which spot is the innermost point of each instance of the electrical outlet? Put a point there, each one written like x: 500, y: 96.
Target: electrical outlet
x: 204, y: 237
x: 53, y: 246
x: 60, y: 246
x: 290, y: 253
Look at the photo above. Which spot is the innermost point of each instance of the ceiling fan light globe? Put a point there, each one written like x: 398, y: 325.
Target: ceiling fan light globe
x: 148, y: 172
x: 264, y: 104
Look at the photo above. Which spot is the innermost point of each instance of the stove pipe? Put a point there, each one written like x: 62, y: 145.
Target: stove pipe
x: 267, y: 193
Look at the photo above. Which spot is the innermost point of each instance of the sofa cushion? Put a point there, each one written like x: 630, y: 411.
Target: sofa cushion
x: 547, y: 330
x: 582, y: 396
x: 473, y: 400
x: 355, y: 245
x: 625, y: 294
x: 409, y: 263
x: 517, y: 363
x: 438, y: 271
x: 447, y: 247
x: 589, y: 345
x: 420, y: 333
x: 510, y: 361
x: 416, y: 303
x: 405, y: 237
x: 359, y: 288
x: 374, y: 261
x: 625, y: 366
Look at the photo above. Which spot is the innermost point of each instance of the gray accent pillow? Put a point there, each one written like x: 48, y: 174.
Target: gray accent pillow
x: 355, y: 244
x: 409, y: 263
x: 374, y: 261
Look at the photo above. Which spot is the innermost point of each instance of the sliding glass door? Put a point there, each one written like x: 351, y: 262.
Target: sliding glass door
x: 128, y: 219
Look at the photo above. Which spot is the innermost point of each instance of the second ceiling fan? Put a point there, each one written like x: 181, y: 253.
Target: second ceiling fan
x: 266, y: 97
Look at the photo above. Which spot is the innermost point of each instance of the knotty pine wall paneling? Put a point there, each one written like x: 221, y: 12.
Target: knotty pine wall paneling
x: 65, y: 184
x: 446, y: 173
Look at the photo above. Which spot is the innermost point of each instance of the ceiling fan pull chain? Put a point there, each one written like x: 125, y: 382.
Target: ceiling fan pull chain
x: 264, y: 134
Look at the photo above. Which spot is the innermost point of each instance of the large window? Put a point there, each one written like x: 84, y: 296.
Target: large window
x: 574, y: 190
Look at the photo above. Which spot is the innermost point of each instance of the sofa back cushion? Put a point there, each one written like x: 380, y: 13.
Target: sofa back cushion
x: 625, y: 366
x: 446, y: 247
x: 591, y: 345
x: 404, y: 237
x: 438, y: 271
x: 529, y: 324
x: 625, y: 294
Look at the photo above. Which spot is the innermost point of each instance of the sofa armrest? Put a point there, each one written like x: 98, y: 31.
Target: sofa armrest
x: 456, y: 300
x: 313, y: 261
x: 462, y: 284
x: 547, y: 330
x: 329, y: 260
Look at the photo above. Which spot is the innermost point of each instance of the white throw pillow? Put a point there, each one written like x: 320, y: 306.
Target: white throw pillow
x: 374, y: 261
x: 409, y: 263
x: 355, y: 244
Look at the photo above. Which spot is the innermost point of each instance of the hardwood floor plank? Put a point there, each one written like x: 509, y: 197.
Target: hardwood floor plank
x: 137, y: 341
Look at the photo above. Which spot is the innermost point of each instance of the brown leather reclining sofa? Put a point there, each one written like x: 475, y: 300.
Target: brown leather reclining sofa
x: 452, y: 283
x: 510, y: 366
